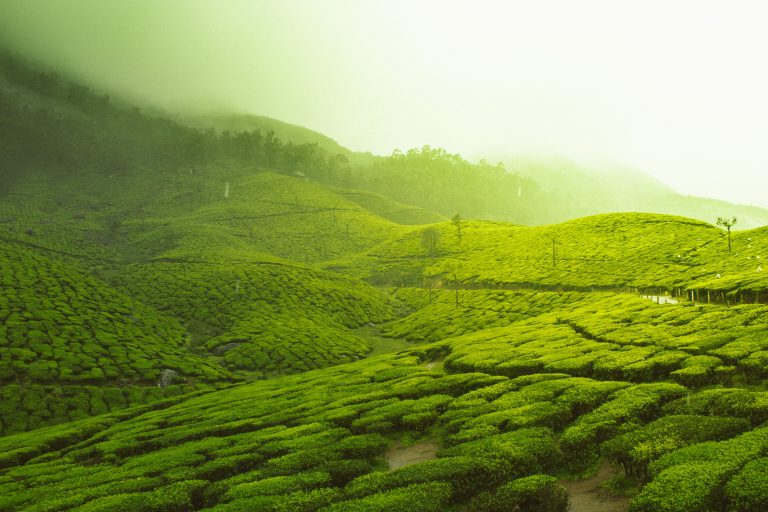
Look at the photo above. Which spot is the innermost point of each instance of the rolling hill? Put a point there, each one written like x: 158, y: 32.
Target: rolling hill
x: 190, y: 321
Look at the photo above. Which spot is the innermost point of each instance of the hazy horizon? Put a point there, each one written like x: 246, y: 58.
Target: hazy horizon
x: 672, y: 88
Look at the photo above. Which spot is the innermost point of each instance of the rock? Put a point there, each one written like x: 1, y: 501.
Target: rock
x: 166, y: 378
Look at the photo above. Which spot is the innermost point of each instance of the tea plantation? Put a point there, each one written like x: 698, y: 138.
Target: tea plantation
x: 194, y: 320
x: 531, y: 356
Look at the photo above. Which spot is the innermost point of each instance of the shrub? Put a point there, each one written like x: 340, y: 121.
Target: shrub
x: 747, y: 491
x: 635, y: 450
x: 541, y: 493
x: 429, y: 497
x: 278, y: 485
x: 467, y: 475
x: 683, y: 488
x: 525, y: 451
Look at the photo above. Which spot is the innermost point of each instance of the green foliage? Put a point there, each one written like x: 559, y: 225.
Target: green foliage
x: 636, y: 449
x: 748, y: 489
x: 691, y: 486
x: 138, y: 262
x: 51, y: 405
x: 629, y: 406
x: 442, y: 182
x: 429, y: 497
x: 536, y: 492
x: 466, y: 475
x: 65, y: 327
x: 66, y: 125
x: 742, y: 403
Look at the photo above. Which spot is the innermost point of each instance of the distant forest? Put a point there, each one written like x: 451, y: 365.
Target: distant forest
x: 54, y: 123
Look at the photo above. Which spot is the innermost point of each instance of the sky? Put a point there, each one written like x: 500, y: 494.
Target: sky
x: 678, y: 89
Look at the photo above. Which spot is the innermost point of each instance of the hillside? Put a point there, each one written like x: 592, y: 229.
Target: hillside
x: 577, y: 190
x: 53, y: 123
x: 236, y: 122
x: 317, y: 441
x: 615, y: 251
x: 227, y: 322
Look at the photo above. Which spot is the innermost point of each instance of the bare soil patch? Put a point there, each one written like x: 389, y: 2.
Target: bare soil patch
x: 587, y: 496
x: 399, y: 455
x: 436, y: 365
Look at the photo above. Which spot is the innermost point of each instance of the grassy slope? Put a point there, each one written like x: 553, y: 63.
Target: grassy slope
x: 172, y: 240
x: 543, y: 379
x: 613, y: 251
x: 389, y: 209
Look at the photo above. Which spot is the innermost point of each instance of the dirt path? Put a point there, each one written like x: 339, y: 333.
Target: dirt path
x: 398, y: 455
x: 436, y: 365
x: 586, y: 495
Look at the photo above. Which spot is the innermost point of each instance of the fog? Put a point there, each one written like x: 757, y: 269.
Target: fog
x: 674, y: 88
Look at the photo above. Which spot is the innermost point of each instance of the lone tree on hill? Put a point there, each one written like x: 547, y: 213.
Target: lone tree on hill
x: 727, y: 223
x: 554, y: 240
x: 456, y: 220
x: 452, y: 270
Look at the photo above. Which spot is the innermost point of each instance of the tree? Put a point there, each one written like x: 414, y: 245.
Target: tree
x: 452, y: 269
x: 431, y: 281
x: 456, y: 220
x: 554, y: 241
x: 727, y: 224
x: 429, y: 239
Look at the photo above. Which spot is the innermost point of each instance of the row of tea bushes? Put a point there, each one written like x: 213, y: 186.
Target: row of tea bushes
x: 623, y: 337
x: 30, y: 407
x: 477, y: 310
x: 60, y: 325
x: 315, y: 441
x: 636, y: 449
x: 602, y: 251
x: 713, y: 475
x: 265, y: 317
x: 286, y: 344
x: 736, y: 402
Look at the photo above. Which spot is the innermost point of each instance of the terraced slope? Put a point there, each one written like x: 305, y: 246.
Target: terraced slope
x: 623, y: 337
x: 73, y: 347
x: 283, y: 216
x: 603, y: 251
x: 204, y: 246
x: 61, y: 325
x: 517, y: 405
x: 140, y: 215
x: 264, y: 317
x: 737, y: 276
x: 389, y: 209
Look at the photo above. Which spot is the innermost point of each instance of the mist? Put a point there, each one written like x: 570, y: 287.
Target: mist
x: 673, y: 88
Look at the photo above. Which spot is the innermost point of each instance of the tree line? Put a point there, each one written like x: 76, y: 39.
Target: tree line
x: 52, y: 122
